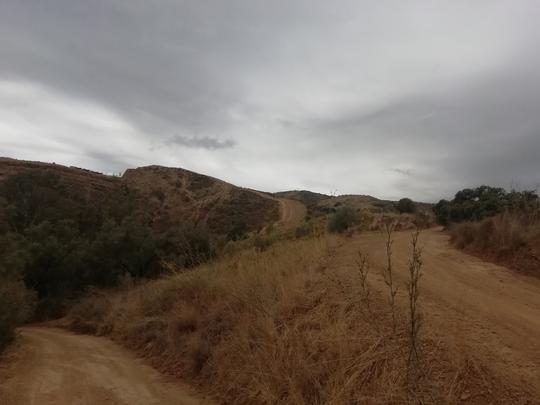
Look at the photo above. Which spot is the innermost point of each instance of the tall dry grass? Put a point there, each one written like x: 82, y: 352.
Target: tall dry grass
x: 512, y: 238
x: 281, y: 326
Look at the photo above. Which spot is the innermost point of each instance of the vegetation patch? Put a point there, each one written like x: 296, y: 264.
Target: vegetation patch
x: 278, y: 326
x: 495, y: 224
x: 58, y: 242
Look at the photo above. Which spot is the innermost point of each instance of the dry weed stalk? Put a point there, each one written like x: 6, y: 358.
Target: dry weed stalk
x: 415, y: 273
x: 389, y: 227
x: 363, y: 266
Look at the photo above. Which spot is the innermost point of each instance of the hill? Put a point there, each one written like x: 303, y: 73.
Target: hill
x: 171, y: 196
x: 308, y: 198
x: 369, y: 211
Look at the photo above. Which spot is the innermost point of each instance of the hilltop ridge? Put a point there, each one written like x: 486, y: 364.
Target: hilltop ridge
x: 171, y: 195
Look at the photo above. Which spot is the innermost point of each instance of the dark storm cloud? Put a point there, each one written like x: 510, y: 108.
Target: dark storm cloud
x: 163, y: 65
x: 486, y: 130
x: 390, y: 98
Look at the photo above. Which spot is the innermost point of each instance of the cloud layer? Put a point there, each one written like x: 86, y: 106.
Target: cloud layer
x: 387, y: 98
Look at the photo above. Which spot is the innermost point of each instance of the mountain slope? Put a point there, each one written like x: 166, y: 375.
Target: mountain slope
x: 176, y: 195
x: 171, y: 196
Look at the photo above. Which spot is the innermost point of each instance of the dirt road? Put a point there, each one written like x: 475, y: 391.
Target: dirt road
x: 292, y: 212
x: 57, y: 367
x: 488, y: 311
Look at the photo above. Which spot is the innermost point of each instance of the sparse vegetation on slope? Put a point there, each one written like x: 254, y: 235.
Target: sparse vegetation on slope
x: 511, y: 238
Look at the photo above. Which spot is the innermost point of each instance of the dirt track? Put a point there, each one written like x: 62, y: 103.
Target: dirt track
x: 488, y: 311
x: 292, y: 212
x: 57, y: 367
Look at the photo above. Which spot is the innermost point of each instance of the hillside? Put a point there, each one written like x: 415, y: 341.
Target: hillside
x: 90, y: 184
x: 171, y: 196
x: 369, y: 211
x: 308, y: 198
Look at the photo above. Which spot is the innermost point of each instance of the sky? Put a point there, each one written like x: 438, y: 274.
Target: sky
x: 389, y: 98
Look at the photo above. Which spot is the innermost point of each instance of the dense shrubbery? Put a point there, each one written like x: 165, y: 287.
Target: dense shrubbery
x: 482, y: 202
x: 58, y: 242
x: 406, y: 206
x: 503, y: 226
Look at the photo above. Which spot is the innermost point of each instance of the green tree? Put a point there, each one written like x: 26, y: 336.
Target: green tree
x: 406, y: 205
x: 341, y: 220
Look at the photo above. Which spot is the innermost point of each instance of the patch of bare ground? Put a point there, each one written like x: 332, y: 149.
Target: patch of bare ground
x: 52, y: 366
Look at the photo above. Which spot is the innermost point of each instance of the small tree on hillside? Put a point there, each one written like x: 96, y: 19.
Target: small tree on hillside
x: 406, y: 206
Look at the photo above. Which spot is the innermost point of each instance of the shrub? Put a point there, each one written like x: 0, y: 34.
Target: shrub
x: 463, y: 235
x: 261, y: 243
x: 341, y: 220
x: 511, y: 238
x: 483, y: 202
x: 17, y: 305
x: 60, y: 241
x: 406, y: 206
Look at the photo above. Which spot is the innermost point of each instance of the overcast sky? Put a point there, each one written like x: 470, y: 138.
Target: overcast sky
x: 388, y: 98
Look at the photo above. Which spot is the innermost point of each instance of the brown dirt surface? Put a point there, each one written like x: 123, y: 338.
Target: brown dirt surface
x: 292, y: 212
x: 51, y: 366
x: 480, y: 309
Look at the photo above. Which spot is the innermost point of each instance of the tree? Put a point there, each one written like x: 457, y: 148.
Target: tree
x: 481, y: 202
x: 406, y: 206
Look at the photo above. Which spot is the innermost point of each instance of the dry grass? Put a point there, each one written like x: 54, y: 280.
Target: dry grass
x: 278, y: 326
x: 512, y: 239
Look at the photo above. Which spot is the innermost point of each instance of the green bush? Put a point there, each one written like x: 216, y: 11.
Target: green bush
x: 341, y: 220
x: 59, y: 241
x: 406, y: 206
x: 483, y: 202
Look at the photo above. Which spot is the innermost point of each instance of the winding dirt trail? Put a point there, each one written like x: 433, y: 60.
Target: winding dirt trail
x: 292, y: 212
x: 53, y: 366
x: 485, y: 310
